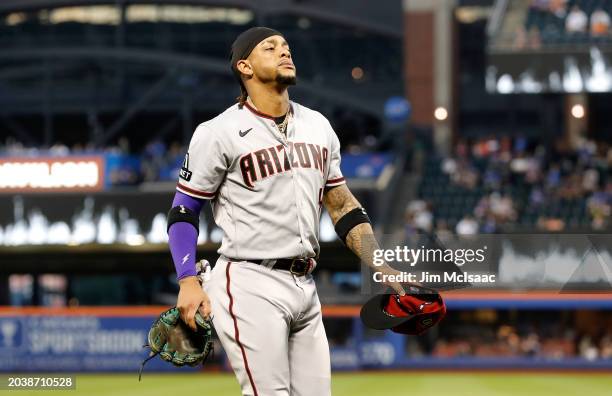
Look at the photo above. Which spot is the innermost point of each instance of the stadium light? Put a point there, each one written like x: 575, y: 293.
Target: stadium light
x: 440, y: 113
x: 357, y: 73
x: 577, y: 111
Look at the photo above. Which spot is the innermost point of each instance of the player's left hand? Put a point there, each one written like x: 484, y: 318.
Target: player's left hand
x: 396, y: 286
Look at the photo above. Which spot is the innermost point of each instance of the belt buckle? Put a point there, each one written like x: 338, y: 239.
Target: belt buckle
x: 304, y: 270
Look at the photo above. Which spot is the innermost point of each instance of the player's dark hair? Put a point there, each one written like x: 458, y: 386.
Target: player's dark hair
x: 242, y: 47
x: 242, y: 98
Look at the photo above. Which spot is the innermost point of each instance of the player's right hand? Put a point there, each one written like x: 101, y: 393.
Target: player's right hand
x: 191, y: 298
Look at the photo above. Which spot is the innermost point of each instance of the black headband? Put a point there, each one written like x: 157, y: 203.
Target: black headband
x: 245, y: 42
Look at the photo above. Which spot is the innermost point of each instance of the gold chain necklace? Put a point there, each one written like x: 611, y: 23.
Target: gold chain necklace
x: 282, y: 127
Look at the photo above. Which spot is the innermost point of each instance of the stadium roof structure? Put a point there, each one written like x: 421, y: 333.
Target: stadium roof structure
x: 381, y: 19
x: 121, y: 58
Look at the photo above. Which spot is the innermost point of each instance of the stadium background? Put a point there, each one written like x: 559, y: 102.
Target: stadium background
x: 457, y: 117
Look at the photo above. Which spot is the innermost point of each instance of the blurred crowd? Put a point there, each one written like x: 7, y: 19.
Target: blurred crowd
x: 554, y: 21
x: 513, y: 179
x: 507, y: 341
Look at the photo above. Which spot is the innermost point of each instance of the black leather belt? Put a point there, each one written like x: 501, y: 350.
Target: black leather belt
x: 297, y: 266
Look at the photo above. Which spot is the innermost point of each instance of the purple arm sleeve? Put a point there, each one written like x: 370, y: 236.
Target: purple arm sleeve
x: 183, y: 237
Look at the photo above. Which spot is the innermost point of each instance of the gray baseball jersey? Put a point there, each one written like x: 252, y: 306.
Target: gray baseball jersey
x: 267, y: 189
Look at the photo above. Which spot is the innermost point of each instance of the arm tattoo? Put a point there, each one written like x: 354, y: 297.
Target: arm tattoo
x: 338, y: 202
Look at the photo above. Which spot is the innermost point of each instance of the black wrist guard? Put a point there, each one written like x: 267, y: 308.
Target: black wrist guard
x: 183, y: 214
x: 347, y: 222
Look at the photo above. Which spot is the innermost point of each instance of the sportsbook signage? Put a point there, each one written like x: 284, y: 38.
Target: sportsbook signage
x: 46, y: 174
x: 57, y: 343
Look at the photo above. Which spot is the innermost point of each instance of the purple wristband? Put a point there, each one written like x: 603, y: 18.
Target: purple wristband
x: 183, y: 237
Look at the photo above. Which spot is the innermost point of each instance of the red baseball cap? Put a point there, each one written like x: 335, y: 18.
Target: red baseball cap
x: 414, y: 313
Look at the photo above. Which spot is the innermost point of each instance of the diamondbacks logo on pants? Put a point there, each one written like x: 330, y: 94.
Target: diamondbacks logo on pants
x: 185, y: 173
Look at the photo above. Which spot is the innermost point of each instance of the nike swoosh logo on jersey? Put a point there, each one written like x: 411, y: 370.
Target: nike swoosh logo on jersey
x: 243, y: 133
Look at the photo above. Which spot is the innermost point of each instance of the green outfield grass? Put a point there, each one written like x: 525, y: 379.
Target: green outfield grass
x: 352, y: 384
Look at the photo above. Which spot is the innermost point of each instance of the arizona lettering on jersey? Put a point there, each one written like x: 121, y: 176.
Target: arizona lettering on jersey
x: 265, y: 187
x: 272, y: 160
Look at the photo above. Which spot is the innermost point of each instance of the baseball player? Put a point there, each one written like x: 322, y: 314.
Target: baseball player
x: 267, y: 165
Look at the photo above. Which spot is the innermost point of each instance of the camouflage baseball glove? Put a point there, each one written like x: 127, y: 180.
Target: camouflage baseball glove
x: 177, y: 343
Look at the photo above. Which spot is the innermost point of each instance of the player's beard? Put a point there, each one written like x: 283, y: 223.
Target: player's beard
x: 287, y: 80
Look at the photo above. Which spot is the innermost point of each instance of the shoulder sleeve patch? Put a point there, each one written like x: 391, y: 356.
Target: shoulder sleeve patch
x: 185, y: 173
